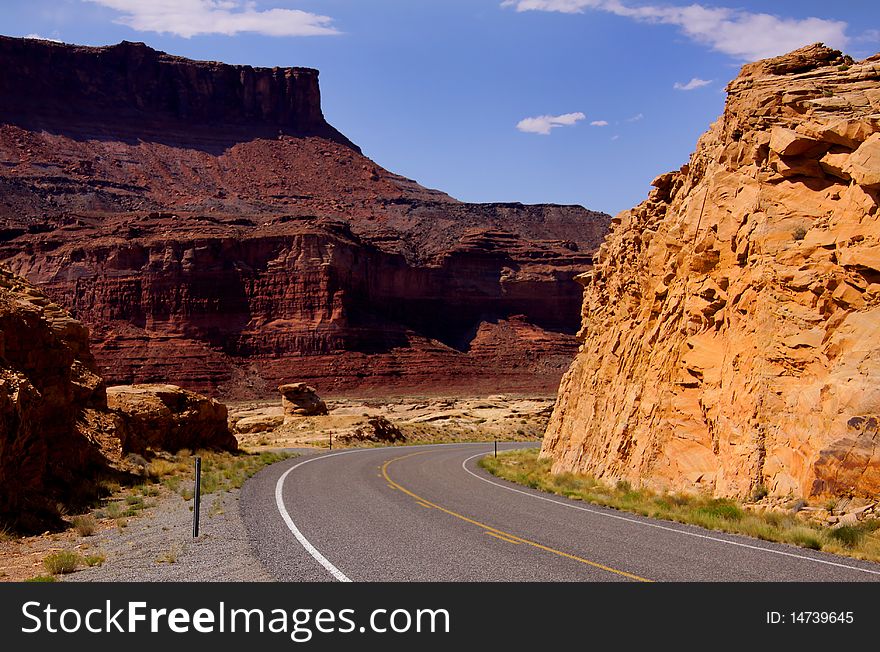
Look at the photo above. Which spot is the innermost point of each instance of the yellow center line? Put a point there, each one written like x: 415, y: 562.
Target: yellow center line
x: 495, y: 531
x: 498, y: 536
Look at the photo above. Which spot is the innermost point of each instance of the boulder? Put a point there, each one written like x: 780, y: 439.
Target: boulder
x: 301, y: 400
x: 863, y: 164
x: 166, y: 417
x: 258, y: 423
x: 787, y: 142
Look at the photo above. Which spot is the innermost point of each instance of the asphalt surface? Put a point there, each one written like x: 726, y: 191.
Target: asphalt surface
x: 428, y: 513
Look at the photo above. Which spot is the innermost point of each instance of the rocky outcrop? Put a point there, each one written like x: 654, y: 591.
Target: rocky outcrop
x: 731, y: 326
x: 214, y: 232
x: 166, y: 417
x: 376, y: 429
x: 61, y: 429
x: 301, y: 400
x: 51, y: 442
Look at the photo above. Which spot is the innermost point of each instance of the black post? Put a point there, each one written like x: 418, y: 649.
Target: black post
x: 197, y: 497
x: 496, y: 448
x: 331, y: 441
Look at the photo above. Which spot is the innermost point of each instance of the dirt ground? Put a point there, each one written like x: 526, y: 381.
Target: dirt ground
x: 260, y: 425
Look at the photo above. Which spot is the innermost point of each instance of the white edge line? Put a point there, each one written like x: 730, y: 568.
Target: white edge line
x: 279, y: 501
x: 697, y: 535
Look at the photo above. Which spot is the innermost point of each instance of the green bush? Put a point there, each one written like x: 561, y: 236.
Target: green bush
x: 848, y: 535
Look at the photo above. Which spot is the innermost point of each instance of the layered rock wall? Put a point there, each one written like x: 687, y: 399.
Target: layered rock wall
x: 731, y: 326
x: 213, y: 231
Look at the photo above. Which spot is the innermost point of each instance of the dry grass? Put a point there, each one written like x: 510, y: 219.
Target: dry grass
x: 169, y: 556
x: 524, y: 467
x: 85, y: 525
x: 97, y: 559
x: 62, y: 562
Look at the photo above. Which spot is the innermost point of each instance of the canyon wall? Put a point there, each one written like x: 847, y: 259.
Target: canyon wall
x: 214, y: 231
x: 731, y: 325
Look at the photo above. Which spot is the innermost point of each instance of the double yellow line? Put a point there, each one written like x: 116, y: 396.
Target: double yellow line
x: 495, y: 532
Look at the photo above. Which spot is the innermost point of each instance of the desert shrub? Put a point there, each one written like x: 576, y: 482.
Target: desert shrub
x: 62, y: 562
x: 94, y: 560
x: 848, y: 535
x: 721, y: 508
x: 85, y: 525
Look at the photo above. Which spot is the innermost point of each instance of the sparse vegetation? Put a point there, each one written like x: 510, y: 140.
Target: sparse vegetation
x: 85, y: 525
x: 62, y: 562
x: 524, y: 467
x: 799, y: 234
x: 759, y: 493
x: 97, y: 559
x: 42, y: 578
x: 169, y: 556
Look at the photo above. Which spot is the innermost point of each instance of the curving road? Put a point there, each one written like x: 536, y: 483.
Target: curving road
x: 428, y: 513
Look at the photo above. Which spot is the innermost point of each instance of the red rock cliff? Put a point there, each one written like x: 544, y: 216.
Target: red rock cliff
x: 215, y: 232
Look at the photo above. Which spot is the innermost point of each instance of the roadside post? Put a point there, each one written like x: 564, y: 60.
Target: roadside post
x: 197, y: 497
x: 496, y: 448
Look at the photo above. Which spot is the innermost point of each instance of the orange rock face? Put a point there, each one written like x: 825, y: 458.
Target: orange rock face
x: 731, y: 326
x: 214, y: 231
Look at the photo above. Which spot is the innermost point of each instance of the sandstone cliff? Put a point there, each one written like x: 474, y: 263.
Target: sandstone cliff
x: 214, y: 231
x: 731, y: 326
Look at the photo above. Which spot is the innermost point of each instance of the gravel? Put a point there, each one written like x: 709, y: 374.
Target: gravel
x: 143, y: 551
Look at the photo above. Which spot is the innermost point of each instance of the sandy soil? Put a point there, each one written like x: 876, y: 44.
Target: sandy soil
x: 258, y: 424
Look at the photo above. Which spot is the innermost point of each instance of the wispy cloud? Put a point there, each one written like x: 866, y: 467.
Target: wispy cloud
x: 41, y: 38
x: 742, y: 34
x: 636, y: 117
x: 543, y: 124
x: 599, y: 123
x: 693, y: 84
x: 188, y: 18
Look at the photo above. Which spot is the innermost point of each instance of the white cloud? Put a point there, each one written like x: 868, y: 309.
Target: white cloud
x: 37, y: 37
x: 636, y: 117
x: 741, y: 34
x: 599, y: 123
x: 542, y: 124
x: 188, y: 18
x: 694, y: 83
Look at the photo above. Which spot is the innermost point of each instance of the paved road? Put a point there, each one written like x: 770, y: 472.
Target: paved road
x: 428, y: 513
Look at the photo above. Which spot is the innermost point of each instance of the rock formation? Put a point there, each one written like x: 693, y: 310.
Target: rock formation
x: 731, y: 326
x: 61, y: 429
x: 52, y: 433
x: 214, y: 231
x: 166, y: 417
x: 301, y: 400
x: 376, y: 429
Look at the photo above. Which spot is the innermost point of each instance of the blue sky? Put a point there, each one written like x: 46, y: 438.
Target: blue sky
x: 490, y: 100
